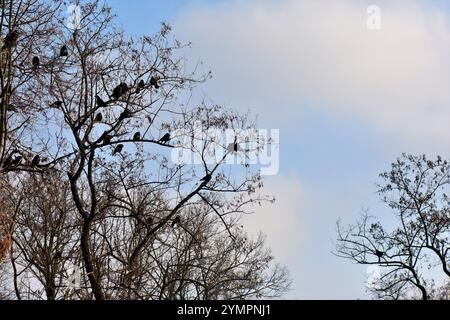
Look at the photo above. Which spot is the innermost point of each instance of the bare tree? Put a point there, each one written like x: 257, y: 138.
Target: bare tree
x: 102, y: 113
x: 416, y: 189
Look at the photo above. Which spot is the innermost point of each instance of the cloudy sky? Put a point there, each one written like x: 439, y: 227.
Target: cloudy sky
x: 348, y: 100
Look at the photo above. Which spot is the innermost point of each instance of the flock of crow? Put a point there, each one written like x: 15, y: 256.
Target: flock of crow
x: 118, y: 92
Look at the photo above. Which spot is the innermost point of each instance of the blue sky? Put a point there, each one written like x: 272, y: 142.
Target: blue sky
x: 348, y: 101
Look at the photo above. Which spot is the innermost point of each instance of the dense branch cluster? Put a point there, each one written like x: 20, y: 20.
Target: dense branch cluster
x: 89, y: 117
x: 411, y: 255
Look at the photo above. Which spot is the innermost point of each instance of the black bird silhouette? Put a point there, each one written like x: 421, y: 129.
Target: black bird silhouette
x: 175, y: 221
x: 57, y: 104
x: 118, y: 149
x: 141, y: 86
x: 165, y: 138
x: 64, y: 52
x: 36, y: 160
x: 137, y: 136
x: 16, y: 161
x: 125, y: 115
x: 100, y: 102
x: 149, y: 221
x: 119, y: 91
x: 36, y: 62
x: 154, y: 81
x: 10, y: 40
x: 206, y: 179
x: 106, y: 138
x: 98, y: 117
x: 379, y: 254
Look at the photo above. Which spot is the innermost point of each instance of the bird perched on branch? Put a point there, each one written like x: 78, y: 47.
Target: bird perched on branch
x: 206, y: 179
x: 233, y: 147
x: 117, y: 149
x: 57, y: 104
x: 165, y: 138
x: 36, y: 160
x: 176, y: 221
x: 125, y: 115
x: 140, y: 86
x: 379, y: 254
x: 98, y: 117
x: 10, y: 40
x: 154, y: 81
x: 137, y: 136
x: 36, y: 62
x: 100, y: 102
x: 64, y: 52
x: 106, y: 138
x: 119, y: 91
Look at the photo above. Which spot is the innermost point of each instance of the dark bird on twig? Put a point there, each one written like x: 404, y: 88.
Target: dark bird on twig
x: 117, y: 149
x: 64, y: 52
x: 10, y: 40
x: 125, y: 115
x: 165, y: 139
x: 100, y: 102
x: 149, y: 221
x: 119, y: 91
x: 98, y: 117
x: 233, y: 147
x: 154, y: 81
x: 140, y: 86
x: 176, y: 221
x: 36, y: 160
x: 106, y: 138
x: 36, y: 62
x: 56, y: 104
x: 379, y: 254
x: 206, y: 179
x: 58, y: 255
x: 137, y: 136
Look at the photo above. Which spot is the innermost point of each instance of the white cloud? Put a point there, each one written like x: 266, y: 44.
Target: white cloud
x: 284, y: 222
x: 277, y: 56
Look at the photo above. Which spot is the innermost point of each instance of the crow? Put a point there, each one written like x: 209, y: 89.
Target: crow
x: 98, y: 117
x: 206, y: 179
x: 125, y: 115
x: 36, y: 160
x: 119, y: 91
x: 141, y: 86
x: 36, y: 62
x: 379, y: 254
x: 106, y: 138
x: 233, y: 147
x: 137, y: 136
x: 64, y: 52
x: 100, y: 102
x: 149, y: 221
x: 10, y: 40
x: 154, y: 81
x: 56, y: 104
x: 175, y: 221
x: 118, y: 149
x: 165, y: 139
